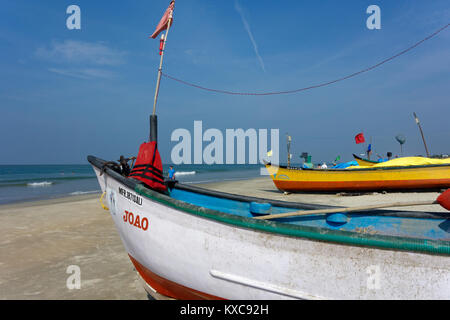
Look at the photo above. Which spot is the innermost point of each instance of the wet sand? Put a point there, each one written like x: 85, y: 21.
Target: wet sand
x: 40, y: 240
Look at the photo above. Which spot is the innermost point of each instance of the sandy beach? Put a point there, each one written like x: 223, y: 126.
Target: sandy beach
x: 40, y: 240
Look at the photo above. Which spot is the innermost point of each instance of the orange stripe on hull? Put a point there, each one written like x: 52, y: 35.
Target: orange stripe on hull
x: 360, y: 185
x: 170, y: 288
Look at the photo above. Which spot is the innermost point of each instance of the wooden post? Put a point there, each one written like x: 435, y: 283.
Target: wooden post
x: 421, y: 132
x: 288, y: 150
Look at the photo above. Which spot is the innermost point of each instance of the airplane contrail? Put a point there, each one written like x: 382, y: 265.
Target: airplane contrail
x: 250, y: 35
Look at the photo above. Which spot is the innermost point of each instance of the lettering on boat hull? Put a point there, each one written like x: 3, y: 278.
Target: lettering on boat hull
x: 131, y: 196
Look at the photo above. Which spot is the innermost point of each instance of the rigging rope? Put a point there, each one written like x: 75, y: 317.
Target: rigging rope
x: 310, y: 87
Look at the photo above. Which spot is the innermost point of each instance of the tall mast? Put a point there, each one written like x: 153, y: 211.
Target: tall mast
x: 153, y: 117
x: 160, y: 65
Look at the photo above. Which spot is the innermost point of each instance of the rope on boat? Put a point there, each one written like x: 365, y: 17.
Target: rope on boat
x: 310, y: 87
x: 101, y: 201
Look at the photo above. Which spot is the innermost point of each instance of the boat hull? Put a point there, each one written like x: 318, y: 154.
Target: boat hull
x: 184, y: 254
x: 389, y: 178
x: 364, y: 162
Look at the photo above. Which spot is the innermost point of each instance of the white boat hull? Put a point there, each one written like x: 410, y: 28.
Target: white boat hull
x: 213, y: 259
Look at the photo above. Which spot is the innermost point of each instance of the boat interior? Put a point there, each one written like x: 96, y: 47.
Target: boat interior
x: 402, y: 223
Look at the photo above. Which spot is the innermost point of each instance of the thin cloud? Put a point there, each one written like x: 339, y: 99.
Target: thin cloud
x: 71, y: 51
x: 88, y: 73
x: 250, y: 35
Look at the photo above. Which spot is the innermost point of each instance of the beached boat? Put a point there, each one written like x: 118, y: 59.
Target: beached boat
x: 193, y: 243
x: 401, y: 173
x: 364, y: 162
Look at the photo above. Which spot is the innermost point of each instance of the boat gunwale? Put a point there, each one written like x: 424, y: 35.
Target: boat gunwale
x: 365, y: 160
x: 342, y: 237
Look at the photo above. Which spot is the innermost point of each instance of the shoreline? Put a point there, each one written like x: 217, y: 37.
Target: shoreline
x: 55, y: 200
x: 264, y: 188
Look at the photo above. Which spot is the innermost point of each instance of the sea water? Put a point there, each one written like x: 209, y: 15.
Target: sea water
x: 38, y: 182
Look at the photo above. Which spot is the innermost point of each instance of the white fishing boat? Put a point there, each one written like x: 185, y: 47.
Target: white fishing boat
x: 194, y: 243
x: 191, y: 243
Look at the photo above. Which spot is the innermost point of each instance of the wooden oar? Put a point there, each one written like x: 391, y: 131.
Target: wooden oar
x: 443, y: 200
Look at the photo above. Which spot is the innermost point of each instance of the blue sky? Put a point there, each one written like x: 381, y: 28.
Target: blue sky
x: 65, y: 94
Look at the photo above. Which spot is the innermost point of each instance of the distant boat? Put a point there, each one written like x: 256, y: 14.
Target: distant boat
x: 364, y: 162
x: 380, y: 176
x: 192, y: 243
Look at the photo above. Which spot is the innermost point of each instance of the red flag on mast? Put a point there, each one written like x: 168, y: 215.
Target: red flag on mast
x: 162, y: 25
x: 359, y: 138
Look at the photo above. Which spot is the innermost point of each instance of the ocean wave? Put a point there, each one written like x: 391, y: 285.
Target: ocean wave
x: 201, y: 181
x: 40, y: 184
x: 184, y: 173
x: 27, y: 182
x: 77, y: 193
x: 42, y: 179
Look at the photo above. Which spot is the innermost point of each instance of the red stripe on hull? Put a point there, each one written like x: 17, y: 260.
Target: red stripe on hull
x: 170, y: 288
x: 360, y: 185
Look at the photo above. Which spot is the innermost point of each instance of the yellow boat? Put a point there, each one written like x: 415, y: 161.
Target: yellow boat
x: 400, y: 173
x: 364, y: 162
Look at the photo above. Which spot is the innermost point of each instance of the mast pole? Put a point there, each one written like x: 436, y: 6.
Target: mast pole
x: 160, y: 65
x: 153, y: 117
x: 421, y: 133
x: 288, y: 150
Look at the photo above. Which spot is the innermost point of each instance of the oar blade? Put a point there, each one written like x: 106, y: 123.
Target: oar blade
x: 444, y: 199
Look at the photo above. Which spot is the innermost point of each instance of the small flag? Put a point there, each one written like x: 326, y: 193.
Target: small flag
x: 337, y: 159
x: 369, y: 148
x: 161, y: 44
x: 162, y: 25
x: 269, y: 154
x: 359, y: 138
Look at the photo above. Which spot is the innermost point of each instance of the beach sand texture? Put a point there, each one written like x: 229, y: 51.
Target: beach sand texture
x: 40, y: 240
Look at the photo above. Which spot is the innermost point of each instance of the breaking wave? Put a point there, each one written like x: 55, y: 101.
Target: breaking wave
x: 184, y: 173
x: 39, y: 184
x: 77, y: 193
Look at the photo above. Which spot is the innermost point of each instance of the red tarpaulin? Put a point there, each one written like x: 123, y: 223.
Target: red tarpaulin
x: 148, y: 167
